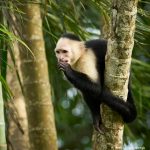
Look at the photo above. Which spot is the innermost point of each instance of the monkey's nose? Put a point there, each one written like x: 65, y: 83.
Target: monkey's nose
x: 63, y: 60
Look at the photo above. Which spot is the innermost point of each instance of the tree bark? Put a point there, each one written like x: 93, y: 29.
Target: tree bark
x: 118, y: 60
x: 3, y: 144
x: 15, y: 136
x: 42, y: 132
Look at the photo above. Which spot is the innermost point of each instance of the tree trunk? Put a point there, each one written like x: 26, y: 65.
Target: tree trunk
x: 42, y: 132
x: 118, y: 60
x: 16, y: 138
x: 3, y: 144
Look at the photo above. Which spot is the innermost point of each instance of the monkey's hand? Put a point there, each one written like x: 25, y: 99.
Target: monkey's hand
x: 64, y: 66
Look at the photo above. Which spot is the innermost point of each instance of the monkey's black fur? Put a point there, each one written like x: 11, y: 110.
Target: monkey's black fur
x: 71, y: 36
x: 95, y: 93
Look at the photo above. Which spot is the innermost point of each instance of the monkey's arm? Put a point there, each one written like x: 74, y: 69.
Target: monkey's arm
x: 80, y: 80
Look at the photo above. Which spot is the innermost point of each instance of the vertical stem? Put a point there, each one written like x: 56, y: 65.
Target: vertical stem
x: 3, y: 145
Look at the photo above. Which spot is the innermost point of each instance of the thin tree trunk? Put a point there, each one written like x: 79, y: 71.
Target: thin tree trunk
x: 42, y: 132
x: 118, y: 60
x: 3, y: 144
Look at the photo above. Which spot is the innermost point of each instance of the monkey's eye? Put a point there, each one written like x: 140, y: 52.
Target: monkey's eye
x: 64, y: 51
x: 57, y: 52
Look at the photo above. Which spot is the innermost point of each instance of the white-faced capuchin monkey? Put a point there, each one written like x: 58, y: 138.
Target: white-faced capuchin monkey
x: 83, y: 64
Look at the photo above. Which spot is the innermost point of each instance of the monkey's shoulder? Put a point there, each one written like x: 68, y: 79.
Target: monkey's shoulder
x: 97, y: 43
x: 98, y: 46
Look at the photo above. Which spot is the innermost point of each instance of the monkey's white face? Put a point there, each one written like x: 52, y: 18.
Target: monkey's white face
x: 68, y: 50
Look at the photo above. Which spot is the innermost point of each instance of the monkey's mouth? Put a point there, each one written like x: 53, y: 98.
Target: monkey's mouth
x: 63, y: 61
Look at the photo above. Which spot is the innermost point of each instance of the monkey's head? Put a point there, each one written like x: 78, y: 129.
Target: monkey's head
x: 69, y: 49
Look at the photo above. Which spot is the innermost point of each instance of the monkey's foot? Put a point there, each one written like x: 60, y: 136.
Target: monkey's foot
x: 98, y: 126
